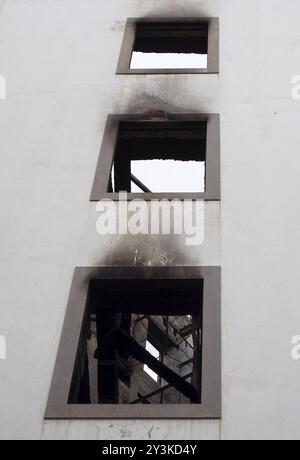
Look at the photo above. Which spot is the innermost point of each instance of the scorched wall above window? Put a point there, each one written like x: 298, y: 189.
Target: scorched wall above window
x: 170, y: 45
x: 175, y: 156
x: 105, y: 366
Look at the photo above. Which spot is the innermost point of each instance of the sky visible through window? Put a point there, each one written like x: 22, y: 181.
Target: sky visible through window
x: 168, y: 61
x: 170, y: 176
x: 154, y: 352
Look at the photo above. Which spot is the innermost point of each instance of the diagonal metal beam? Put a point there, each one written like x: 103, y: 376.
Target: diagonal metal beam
x: 119, y: 339
x: 143, y: 399
x: 160, y: 390
x: 140, y: 184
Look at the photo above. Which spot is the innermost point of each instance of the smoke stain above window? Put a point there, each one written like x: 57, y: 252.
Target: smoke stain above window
x: 170, y: 46
x: 160, y: 157
x: 140, y: 342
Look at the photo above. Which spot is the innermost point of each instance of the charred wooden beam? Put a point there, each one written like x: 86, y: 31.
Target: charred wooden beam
x: 121, y: 340
x: 80, y: 388
x: 185, y: 331
x: 172, y: 37
x: 143, y: 399
x: 159, y: 391
x: 197, y: 339
x: 140, y: 184
x: 108, y: 372
x: 186, y: 363
x: 184, y: 141
x: 155, y: 297
x: 122, y: 174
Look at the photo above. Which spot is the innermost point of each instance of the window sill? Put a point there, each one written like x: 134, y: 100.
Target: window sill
x: 158, y: 196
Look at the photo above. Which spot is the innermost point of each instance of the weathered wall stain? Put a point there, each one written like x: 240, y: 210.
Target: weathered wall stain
x: 118, y: 26
x: 171, y: 8
x: 168, y: 95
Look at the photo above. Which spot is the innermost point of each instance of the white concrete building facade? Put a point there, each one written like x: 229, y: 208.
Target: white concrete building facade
x: 58, y: 83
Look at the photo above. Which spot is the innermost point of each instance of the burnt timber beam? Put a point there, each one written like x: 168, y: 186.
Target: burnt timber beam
x: 143, y: 399
x: 186, y: 363
x: 140, y: 184
x: 160, y: 390
x: 108, y: 369
x: 122, y: 341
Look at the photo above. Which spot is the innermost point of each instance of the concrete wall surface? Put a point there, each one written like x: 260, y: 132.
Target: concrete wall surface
x: 59, y: 61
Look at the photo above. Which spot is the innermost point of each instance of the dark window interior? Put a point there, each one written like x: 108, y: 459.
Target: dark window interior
x: 122, y: 317
x: 179, y: 37
x: 183, y: 40
x: 160, y: 157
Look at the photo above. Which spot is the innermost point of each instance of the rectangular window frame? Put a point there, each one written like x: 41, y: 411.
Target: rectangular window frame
x: 210, y: 408
x: 107, y: 153
x: 129, y: 38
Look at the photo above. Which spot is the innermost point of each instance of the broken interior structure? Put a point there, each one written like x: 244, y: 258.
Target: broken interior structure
x: 170, y: 45
x: 140, y: 343
x: 159, y: 156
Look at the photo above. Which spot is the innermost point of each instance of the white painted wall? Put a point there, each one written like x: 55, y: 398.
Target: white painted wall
x: 59, y: 61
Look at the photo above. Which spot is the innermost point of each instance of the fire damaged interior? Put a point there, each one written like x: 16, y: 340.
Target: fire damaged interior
x: 140, y: 343
x: 160, y: 156
x: 187, y: 42
x: 172, y: 37
x: 170, y: 46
